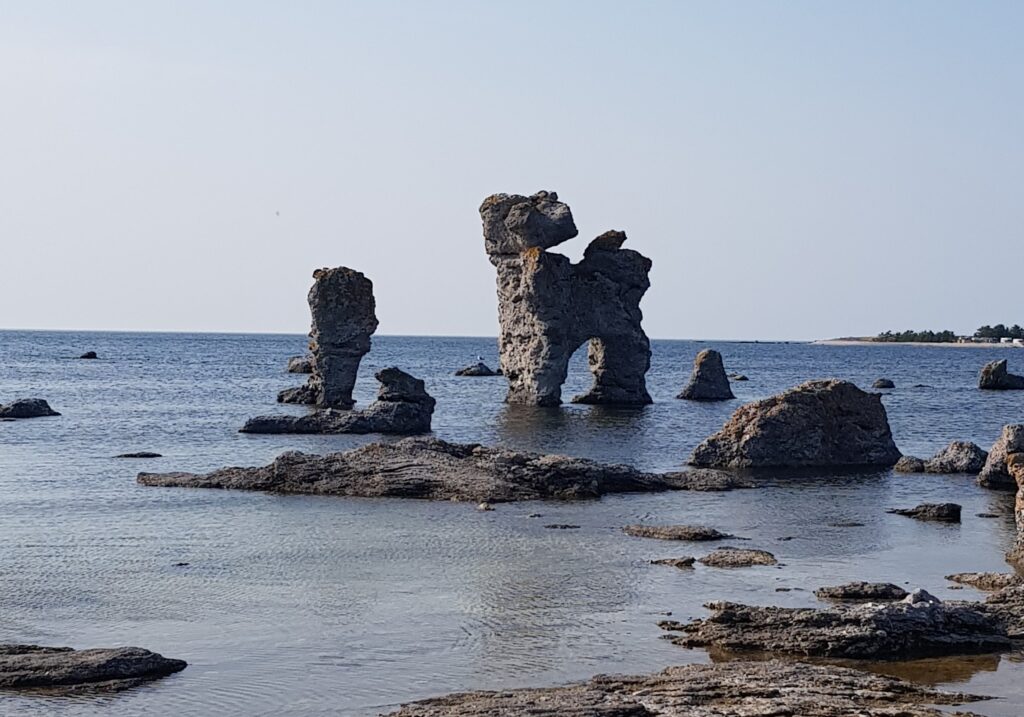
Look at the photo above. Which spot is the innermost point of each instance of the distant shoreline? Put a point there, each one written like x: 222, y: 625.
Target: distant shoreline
x: 869, y: 342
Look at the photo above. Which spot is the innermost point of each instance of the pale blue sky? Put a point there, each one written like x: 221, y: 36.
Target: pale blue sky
x: 795, y: 170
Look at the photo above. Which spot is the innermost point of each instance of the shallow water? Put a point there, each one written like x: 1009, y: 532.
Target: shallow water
x: 312, y: 605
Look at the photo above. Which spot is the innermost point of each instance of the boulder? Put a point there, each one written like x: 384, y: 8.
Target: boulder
x: 300, y: 364
x: 909, y: 464
x: 477, y: 369
x: 89, y: 355
x: 939, y: 512
x: 996, y: 377
x: 729, y: 557
x: 708, y: 381
x: 893, y: 631
x: 957, y: 457
x: 403, y: 407
x: 995, y: 474
x: 432, y: 469
x: 548, y: 307
x: 27, y: 408
x: 883, y: 383
x: 675, y: 532
x: 343, y: 308
x: 105, y: 669
x: 1015, y: 465
x: 859, y: 590
x: 737, y: 688
x: 709, y: 480
x: 819, y: 423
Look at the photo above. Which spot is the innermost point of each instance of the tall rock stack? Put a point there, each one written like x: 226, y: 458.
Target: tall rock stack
x: 548, y: 307
x: 708, y: 382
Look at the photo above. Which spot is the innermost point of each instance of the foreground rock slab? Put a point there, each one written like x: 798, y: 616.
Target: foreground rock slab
x: 894, y: 631
x: 938, y: 512
x: 726, y: 689
x: 819, y: 423
x: 107, y: 669
x: 27, y: 408
x: 708, y: 382
x: 860, y: 590
x: 996, y: 472
x: 996, y: 377
x: 403, y: 407
x: 694, y: 533
x: 432, y: 469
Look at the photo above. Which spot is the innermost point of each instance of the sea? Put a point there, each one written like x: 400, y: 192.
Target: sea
x: 309, y: 605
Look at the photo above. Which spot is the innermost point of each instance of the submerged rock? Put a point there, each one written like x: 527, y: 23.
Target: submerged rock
x: 548, y: 307
x: 429, y: 468
x: 139, y: 454
x: 909, y: 464
x: 708, y: 381
x: 675, y: 532
x: 729, y: 557
x: 819, y: 423
x: 477, y: 369
x: 995, y: 377
x: 723, y: 689
x: 107, y: 669
x: 27, y: 408
x: 957, y: 457
x: 941, y: 512
x: 860, y: 590
x: 995, y: 473
x: 893, y: 631
x: 300, y: 364
x: 883, y: 383
x: 89, y: 355
x: 403, y: 407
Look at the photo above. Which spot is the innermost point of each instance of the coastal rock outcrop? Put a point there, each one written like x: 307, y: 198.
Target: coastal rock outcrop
x: 937, y: 512
x: 548, y: 307
x: 403, y: 407
x: 300, y: 364
x: 859, y: 590
x: 996, y: 377
x: 477, y: 369
x: 1015, y: 465
x: 818, y: 423
x: 432, y: 469
x: 989, y: 582
x: 343, y: 308
x: 27, y: 408
x: 995, y: 473
x: 708, y: 382
x: 675, y: 532
x: 105, y: 669
x: 730, y: 557
x: 923, y: 627
x: 738, y: 688
x: 909, y: 464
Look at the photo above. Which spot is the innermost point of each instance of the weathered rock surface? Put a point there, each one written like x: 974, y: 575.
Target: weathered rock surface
x: 403, y: 407
x: 708, y: 381
x: 940, y: 512
x: 300, y: 364
x: 883, y: 383
x: 986, y: 581
x: 995, y: 473
x: 343, y: 308
x: 684, y: 562
x: 1015, y: 464
x: 431, y: 469
x: 477, y: 369
x: 893, y: 631
x: 108, y: 669
x: 957, y: 457
x: 729, y: 557
x: 819, y: 423
x: 89, y: 355
x: 708, y: 480
x: 675, y: 532
x: 996, y: 377
x: 860, y: 590
x: 724, y: 689
x: 27, y: 408
x: 139, y: 454
x: 548, y: 307
x: 909, y: 464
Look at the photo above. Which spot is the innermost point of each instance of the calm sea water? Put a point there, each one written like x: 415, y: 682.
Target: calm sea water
x: 317, y: 606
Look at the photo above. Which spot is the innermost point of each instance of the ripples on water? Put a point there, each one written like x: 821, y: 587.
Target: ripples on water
x: 314, y: 606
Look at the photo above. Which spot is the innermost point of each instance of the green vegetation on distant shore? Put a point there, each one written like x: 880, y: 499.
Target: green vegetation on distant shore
x: 999, y: 331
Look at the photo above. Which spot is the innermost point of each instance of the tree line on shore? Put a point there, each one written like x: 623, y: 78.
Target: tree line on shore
x: 999, y: 331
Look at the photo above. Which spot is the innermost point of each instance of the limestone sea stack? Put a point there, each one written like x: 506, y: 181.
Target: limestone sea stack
x: 996, y: 377
x: 343, y: 308
x: 403, y: 407
x: 548, y: 307
x: 431, y: 469
x: 817, y: 424
x: 995, y: 473
x: 708, y: 382
x: 104, y: 669
x: 27, y: 408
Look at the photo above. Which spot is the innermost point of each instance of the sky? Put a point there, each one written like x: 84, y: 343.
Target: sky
x: 795, y: 170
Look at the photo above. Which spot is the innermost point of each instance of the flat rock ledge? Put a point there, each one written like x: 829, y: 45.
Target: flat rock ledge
x: 989, y: 582
x: 431, y: 469
x: 996, y: 377
x: 729, y: 557
x: 893, y: 631
x: 104, y: 669
x: 693, y: 533
x: 862, y: 591
x: 957, y: 457
x: 27, y: 408
x: 818, y: 423
x: 403, y: 407
x: 726, y: 689
x: 937, y: 512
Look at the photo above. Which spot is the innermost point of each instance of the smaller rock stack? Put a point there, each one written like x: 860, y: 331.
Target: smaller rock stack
x: 708, y: 382
x: 996, y: 377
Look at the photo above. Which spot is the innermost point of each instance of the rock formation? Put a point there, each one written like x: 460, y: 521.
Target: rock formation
x: 27, y: 408
x: 996, y: 377
x: 1015, y: 465
x: 477, y: 369
x: 995, y: 473
x: 300, y: 364
x: 883, y: 383
x: 708, y: 381
x: 819, y: 423
x: 107, y: 669
x: 341, y: 301
x: 938, y: 512
x: 403, y: 407
x: 431, y: 469
x: 957, y: 457
x: 675, y: 532
x: 878, y: 592
x: 909, y: 464
x: 986, y: 581
x: 89, y: 355
x: 730, y: 557
x: 548, y: 307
